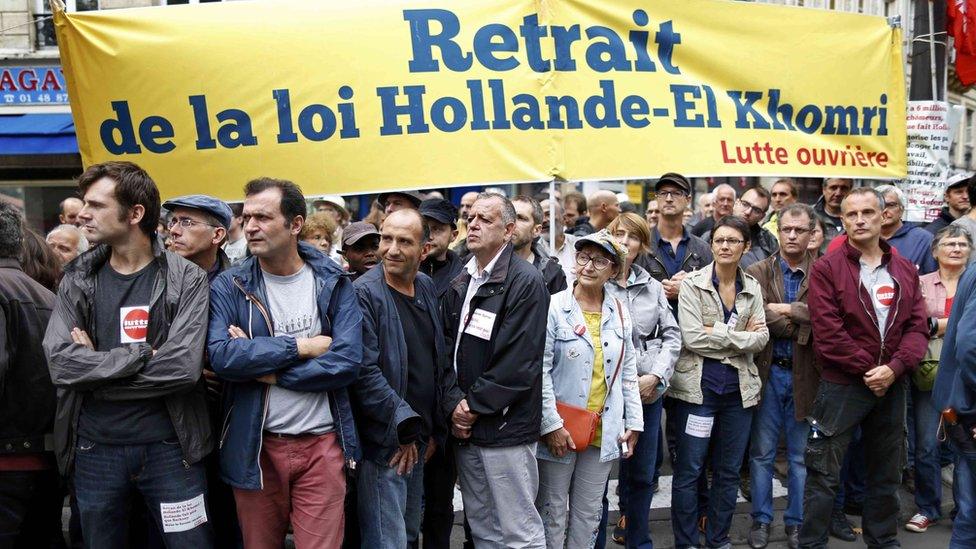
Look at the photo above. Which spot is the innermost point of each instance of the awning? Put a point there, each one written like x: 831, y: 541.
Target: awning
x: 41, y: 133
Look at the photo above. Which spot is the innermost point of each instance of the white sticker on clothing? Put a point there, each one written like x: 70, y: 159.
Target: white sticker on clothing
x: 699, y: 426
x: 133, y: 324
x: 481, y: 324
x: 183, y: 515
x: 733, y: 320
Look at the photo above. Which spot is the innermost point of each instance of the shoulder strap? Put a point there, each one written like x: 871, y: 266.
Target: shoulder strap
x: 620, y: 359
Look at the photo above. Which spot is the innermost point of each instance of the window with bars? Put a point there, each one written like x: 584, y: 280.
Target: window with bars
x: 45, y: 25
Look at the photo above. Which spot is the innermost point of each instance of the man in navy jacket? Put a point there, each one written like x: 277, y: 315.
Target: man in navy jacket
x: 405, y: 375
x: 286, y: 334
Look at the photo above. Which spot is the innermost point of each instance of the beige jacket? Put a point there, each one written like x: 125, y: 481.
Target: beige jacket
x: 699, y: 305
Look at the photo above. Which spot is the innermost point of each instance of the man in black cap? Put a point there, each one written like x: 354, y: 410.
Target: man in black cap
x: 398, y: 200
x: 198, y: 225
x: 360, y: 243
x: 956, y: 200
x: 441, y: 264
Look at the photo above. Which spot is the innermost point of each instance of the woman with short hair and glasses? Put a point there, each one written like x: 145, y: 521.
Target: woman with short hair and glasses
x: 589, y: 365
x: 716, y: 383
x: 951, y: 248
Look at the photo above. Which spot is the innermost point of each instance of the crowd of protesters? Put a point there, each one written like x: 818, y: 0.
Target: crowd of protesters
x: 194, y: 373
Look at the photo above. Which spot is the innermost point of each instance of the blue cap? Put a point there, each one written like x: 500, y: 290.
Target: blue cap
x: 213, y: 206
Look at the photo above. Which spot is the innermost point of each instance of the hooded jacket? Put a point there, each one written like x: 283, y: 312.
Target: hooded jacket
x: 847, y: 341
x: 552, y: 271
x: 177, y: 331
x: 238, y: 297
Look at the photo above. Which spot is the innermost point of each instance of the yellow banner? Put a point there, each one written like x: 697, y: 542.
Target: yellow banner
x: 383, y: 94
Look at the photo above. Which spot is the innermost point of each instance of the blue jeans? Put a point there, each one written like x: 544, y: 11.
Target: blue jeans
x: 390, y: 506
x: 730, y: 435
x: 964, y: 486
x: 928, y: 466
x: 636, y: 480
x: 776, y: 414
x: 105, y: 475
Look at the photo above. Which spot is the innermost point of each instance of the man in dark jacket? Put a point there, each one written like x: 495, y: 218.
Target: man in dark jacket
x: 398, y: 402
x: 955, y: 388
x: 752, y: 207
x: 870, y: 330
x: 786, y: 368
x: 441, y: 263
x: 528, y: 228
x: 496, y: 311
x: 125, y: 350
x: 30, y: 494
x: 956, y: 200
x: 286, y: 334
x: 198, y: 225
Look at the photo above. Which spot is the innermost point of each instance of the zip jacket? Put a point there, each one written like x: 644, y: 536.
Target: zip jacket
x: 381, y: 410
x: 177, y: 331
x: 847, y: 342
x: 238, y: 297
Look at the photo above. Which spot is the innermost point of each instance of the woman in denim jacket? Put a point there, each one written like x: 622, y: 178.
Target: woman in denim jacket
x: 588, y: 335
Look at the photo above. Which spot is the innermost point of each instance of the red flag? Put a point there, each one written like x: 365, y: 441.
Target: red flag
x: 961, y: 25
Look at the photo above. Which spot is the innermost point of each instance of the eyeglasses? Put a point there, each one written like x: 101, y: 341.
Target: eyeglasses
x: 729, y: 241
x: 185, y: 222
x: 800, y: 231
x: 671, y: 194
x: 599, y: 263
x: 751, y: 208
x: 960, y: 245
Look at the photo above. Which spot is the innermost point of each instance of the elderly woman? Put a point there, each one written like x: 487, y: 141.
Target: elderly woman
x: 657, y: 343
x: 951, y: 248
x: 589, y: 364
x: 716, y: 383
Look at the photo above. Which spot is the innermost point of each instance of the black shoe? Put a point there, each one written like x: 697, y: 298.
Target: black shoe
x: 759, y: 535
x: 793, y: 537
x: 840, y: 528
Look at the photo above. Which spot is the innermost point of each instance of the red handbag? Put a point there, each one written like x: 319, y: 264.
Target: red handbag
x: 582, y: 422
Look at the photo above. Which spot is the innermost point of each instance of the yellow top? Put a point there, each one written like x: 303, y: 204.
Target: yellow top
x: 598, y: 383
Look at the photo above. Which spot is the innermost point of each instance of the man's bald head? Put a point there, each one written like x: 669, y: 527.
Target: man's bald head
x: 410, y: 219
x: 602, y: 207
x: 69, y: 211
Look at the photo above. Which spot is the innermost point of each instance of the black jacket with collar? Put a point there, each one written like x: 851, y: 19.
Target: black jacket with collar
x: 698, y: 254
x: 27, y: 400
x: 501, y: 377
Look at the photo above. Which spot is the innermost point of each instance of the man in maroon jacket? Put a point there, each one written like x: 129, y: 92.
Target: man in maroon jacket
x: 870, y: 330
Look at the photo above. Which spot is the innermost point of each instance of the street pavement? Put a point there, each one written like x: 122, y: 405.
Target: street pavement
x: 936, y: 537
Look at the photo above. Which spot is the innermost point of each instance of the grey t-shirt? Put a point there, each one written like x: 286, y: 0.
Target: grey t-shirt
x: 881, y: 288
x: 295, y: 314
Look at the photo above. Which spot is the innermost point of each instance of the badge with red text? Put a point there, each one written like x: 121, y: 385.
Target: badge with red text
x: 133, y: 324
x: 884, y: 295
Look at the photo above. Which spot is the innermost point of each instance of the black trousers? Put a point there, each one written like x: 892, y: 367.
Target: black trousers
x: 30, y: 509
x: 837, y: 412
x: 440, y: 475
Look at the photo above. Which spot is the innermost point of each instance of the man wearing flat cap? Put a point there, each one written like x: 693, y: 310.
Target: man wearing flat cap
x: 198, y: 225
x: 398, y: 200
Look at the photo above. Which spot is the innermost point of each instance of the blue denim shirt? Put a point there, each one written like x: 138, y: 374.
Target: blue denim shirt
x: 783, y: 346
x: 567, y: 370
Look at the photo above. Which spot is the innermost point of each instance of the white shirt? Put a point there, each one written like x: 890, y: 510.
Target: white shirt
x: 566, y: 256
x: 477, y: 281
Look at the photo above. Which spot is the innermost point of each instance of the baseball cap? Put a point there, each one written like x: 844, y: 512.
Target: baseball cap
x: 604, y: 240
x: 213, y: 206
x: 674, y: 179
x: 413, y: 196
x: 959, y: 180
x: 355, y: 232
x: 441, y: 210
